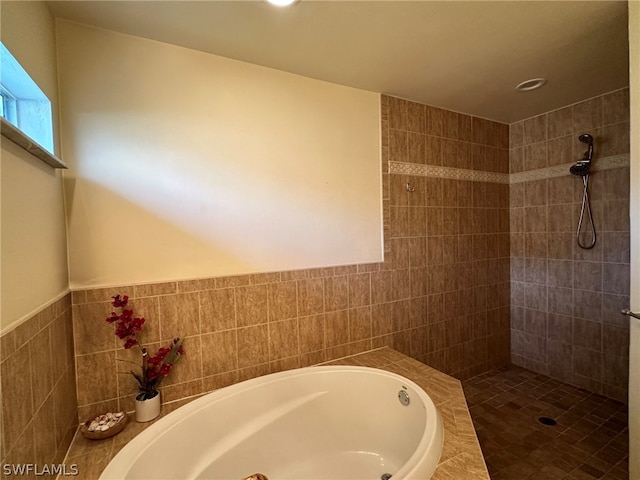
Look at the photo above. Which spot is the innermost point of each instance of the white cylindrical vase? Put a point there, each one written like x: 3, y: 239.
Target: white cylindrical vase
x: 149, y: 409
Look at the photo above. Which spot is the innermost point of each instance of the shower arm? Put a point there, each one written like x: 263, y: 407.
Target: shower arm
x: 629, y: 313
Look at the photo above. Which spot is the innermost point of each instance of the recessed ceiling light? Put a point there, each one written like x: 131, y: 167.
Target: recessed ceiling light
x: 532, y: 84
x: 282, y: 3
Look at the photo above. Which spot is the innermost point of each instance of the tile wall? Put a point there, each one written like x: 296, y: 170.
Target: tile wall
x: 565, y: 301
x: 38, y: 403
x: 440, y: 296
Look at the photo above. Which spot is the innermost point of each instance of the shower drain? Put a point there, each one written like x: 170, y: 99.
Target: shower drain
x: 547, y: 421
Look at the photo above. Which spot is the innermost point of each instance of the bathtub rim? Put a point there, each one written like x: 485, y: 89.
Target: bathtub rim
x: 429, y: 446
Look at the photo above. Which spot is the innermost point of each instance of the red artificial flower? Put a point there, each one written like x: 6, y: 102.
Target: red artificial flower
x: 120, y: 302
x: 154, y: 367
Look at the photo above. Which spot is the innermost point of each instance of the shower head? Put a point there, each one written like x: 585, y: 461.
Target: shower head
x: 581, y: 169
x: 588, y: 139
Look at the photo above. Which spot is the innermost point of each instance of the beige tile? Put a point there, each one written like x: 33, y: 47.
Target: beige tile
x: 189, y: 367
x: 179, y: 315
x: 615, y: 107
x: 23, y: 451
x: 516, y: 135
x: 535, y: 129
x: 154, y: 289
x: 7, y: 344
x: 398, y: 145
x: 615, y: 139
x: 535, y: 156
x: 147, y: 308
x: 251, y: 305
x: 433, y: 192
x: 219, y: 352
x: 78, y: 296
x: 217, y: 310
x: 479, y: 130
x: 92, y: 333
x: 464, y: 127
x: 359, y: 290
x: 416, y: 117
x: 310, y: 296
x: 26, y: 330
x: 272, y: 277
x: 322, y: 272
x: 615, y: 278
x: 97, y: 372
x: 97, y: 295
x: 463, y: 466
x: 253, y: 371
x: 416, y: 147
x: 234, y: 281
x: 435, y: 221
x: 434, y: 121
x: 312, y: 358
x: 41, y: 371
x: 17, y: 395
x: 196, y: 285
x: 45, y: 438
x: 312, y: 333
x: 432, y: 150
x: 65, y: 404
x: 283, y: 339
x: 47, y: 315
x: 449, y: 124
x: 382, y: 286
x: 172, y: 392
x: 359, y: 323
x: 587, y: 115
x: 559, y: 123
x: 253, y: 346
x: 336, y: 293
x: 91, y: 465
x: 368, y: 267
x: 337, y: 328
x: 220, y: 380
x: 282, y: 301
x: 397, y: 108
x: 284, y: 364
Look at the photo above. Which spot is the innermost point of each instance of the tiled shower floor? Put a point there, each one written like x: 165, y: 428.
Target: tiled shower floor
x: 589, y: 441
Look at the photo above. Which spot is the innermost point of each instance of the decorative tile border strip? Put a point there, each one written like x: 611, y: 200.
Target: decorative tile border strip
x: 598, y: 164
x: 418, y: 169
x: 421, y: 170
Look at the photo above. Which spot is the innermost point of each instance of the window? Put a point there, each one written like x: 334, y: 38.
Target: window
x: 24, y: 105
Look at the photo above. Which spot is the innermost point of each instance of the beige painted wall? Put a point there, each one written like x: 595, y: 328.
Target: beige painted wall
x: 185, y: 164
x: 33, y: 245
x: 634, y: 213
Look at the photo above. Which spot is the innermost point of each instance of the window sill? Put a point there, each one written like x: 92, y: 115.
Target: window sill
x: 22, y: 140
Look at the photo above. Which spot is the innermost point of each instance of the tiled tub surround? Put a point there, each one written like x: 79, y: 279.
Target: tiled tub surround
x: 38, y: 403
x: 441, y: 295
x: 566, y: 301
x: 461, y: 455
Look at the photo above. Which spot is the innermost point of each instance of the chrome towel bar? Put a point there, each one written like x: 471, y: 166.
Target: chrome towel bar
x: 629, y: 313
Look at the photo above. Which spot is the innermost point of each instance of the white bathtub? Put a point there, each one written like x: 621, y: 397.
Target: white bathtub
x: 333, y: 422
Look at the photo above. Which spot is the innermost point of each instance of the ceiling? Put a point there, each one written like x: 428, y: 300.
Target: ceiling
x: 465, y: 56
